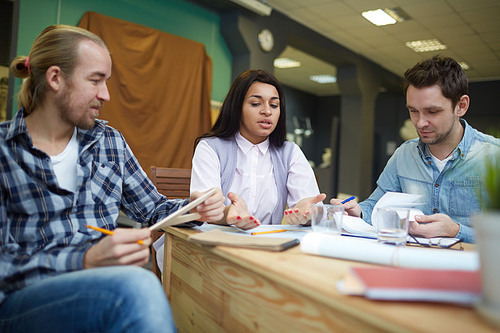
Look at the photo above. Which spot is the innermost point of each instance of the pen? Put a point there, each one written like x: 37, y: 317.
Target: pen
x: 348, y: 199
x: 359, y: 236
x: 108, y: 232
x: 268, y: 232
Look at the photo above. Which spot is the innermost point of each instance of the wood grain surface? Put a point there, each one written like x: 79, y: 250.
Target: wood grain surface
x: 226, y: 289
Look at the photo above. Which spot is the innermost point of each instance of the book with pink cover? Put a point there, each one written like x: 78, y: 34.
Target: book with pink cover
x: 407, y: 284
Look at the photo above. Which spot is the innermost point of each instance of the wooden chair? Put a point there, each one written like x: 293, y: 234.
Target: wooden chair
x: 172, y: 183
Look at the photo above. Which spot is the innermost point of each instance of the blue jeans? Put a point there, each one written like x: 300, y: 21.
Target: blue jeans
x: 109, y: 299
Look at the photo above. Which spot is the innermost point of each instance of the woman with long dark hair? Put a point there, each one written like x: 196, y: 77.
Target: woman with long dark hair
x: 246, y: 155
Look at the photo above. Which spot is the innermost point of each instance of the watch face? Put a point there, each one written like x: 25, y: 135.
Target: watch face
x: 266, y: 40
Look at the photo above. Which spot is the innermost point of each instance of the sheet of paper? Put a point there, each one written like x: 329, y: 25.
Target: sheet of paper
x: 357, y: 226
x: 396, y: 199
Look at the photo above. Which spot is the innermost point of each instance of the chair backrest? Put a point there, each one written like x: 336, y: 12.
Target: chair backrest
x: 172, y: 183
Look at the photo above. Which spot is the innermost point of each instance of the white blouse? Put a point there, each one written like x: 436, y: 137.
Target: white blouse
x: 254, y: 176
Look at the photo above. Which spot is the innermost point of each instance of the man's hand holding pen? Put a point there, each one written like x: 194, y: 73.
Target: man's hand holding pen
x: 351, y: 206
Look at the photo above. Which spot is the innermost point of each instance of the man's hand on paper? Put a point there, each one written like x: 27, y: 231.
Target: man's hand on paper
x: 301, y: 212
x: 212, y: 209
x: 352, y: 208
x: 237, y: 213
x: 120, y: 249
x: 436, y: 225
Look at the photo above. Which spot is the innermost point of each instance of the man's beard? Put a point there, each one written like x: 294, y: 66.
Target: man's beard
x: 438, y: 139
x: 64, y: 106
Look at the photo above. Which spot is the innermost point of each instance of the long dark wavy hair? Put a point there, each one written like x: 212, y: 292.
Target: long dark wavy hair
x: 228, y: 122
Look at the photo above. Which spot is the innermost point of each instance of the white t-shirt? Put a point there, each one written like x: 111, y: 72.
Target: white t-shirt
x: 440, y: 164
x: 65, y: 163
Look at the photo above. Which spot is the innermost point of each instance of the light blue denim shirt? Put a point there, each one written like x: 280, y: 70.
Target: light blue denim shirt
x: 456, y: 191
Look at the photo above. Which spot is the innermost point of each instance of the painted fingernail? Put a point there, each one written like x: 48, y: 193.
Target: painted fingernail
x: 296, y: 211
x: 290, y: 211
x: 251, y: 217
x: 239, y: 217
x: 286, y: 213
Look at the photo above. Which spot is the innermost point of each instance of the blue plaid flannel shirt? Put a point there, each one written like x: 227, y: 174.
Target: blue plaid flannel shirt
x: 42, y: 225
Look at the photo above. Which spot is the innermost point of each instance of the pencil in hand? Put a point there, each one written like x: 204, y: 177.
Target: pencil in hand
x: 108, y: 232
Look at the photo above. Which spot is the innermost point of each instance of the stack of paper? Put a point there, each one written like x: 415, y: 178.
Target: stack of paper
x: 388, y: 283
x: 397, y: 200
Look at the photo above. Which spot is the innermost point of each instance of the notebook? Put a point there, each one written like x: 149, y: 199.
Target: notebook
x: 218, y: 237
x: 405, y: 284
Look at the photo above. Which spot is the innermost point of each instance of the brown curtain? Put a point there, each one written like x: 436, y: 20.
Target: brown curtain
x: 160, y: 90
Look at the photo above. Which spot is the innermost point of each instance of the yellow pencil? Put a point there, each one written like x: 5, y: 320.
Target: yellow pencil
x: 268, y: 232
x: 108, y: 232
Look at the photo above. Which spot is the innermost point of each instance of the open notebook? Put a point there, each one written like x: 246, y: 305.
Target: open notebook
x: 355, y: 226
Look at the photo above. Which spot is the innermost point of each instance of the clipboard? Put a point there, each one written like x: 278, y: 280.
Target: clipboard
x: 177, y: 217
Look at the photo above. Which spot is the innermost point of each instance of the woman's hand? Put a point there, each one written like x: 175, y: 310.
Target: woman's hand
x: 301, y: 213
x: 237, y: 213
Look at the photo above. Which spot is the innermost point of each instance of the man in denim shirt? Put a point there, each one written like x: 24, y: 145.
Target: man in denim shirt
x: 446, y: 163
x: 60, y: 170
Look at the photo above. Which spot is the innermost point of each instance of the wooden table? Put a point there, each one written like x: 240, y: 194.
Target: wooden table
x: 227, y: 289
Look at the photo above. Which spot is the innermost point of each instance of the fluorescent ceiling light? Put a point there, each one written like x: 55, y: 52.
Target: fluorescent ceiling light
x: 256, y: 6
x: 378, y: 17
x: 323, y: 78
x: 286, y: 63
x: 427, y: 45
x: 385, y: 16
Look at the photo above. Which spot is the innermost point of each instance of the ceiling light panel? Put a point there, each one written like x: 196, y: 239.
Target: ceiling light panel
x: 378, y: 17
x: 386, y: 16
x: 286, y: 63
x: 426, y: 45
x: 323, y: 78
